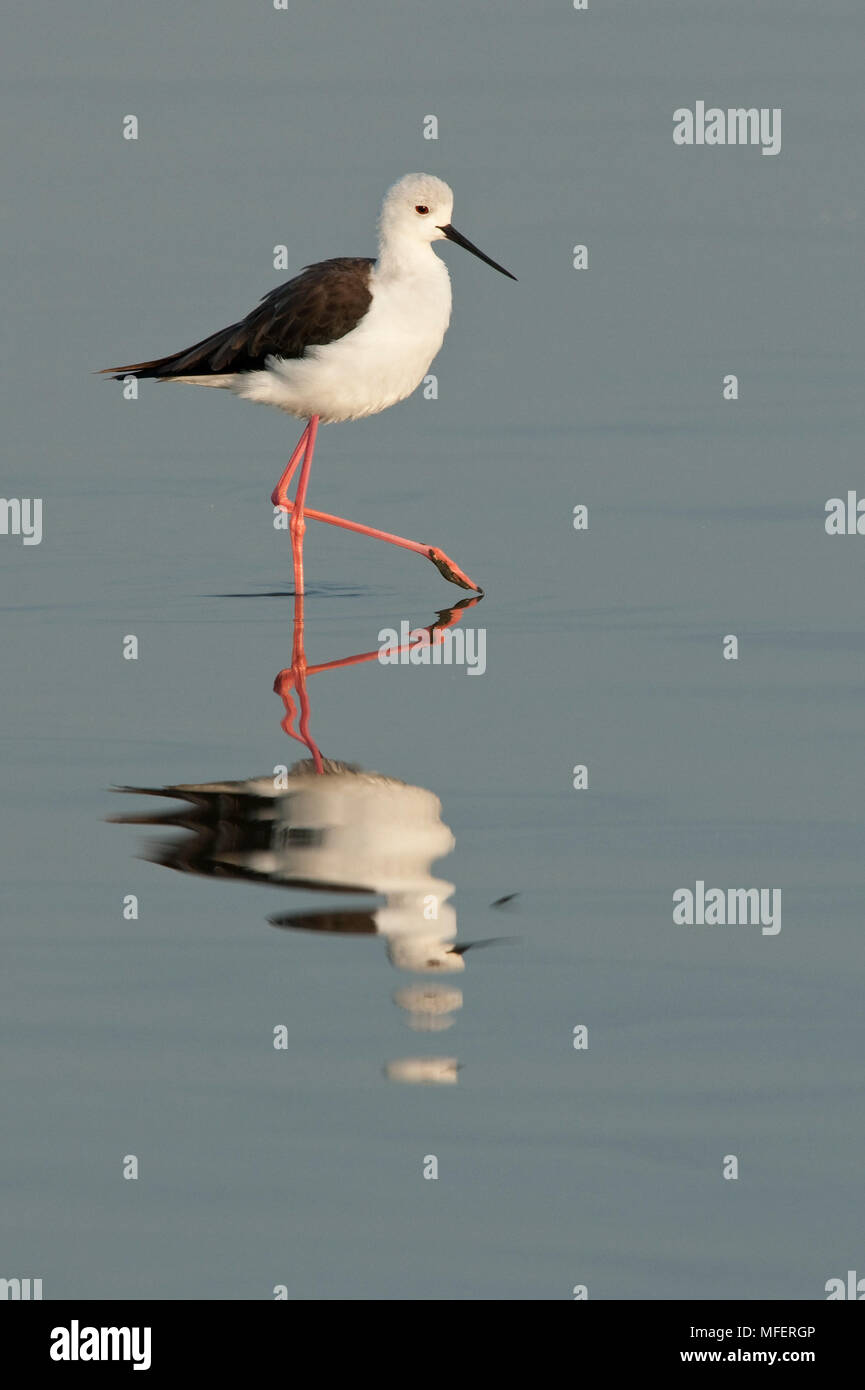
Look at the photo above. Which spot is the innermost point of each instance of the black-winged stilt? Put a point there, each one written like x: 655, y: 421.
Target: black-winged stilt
x: 346, y: 338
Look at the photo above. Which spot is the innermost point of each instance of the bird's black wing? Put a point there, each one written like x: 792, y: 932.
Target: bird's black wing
x: 322, y: 303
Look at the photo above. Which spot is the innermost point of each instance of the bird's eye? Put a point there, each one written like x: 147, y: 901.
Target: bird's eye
x: 422, y: 210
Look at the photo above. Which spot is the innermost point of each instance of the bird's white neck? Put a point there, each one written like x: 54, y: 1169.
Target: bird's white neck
x: 402, y: 258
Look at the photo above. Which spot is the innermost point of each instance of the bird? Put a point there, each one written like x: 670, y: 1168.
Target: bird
x: 346, y: 338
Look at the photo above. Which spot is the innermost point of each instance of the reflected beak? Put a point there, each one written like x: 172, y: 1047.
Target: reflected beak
x: 489, y: 940
x: 453, y: 235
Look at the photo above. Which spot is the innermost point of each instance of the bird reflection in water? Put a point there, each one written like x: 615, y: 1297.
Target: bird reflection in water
x: 330, y: 826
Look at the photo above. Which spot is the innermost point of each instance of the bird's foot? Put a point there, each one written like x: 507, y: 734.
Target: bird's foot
x: 451, y: 572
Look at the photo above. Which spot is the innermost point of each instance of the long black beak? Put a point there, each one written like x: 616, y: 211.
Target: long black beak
x: 453, y: 235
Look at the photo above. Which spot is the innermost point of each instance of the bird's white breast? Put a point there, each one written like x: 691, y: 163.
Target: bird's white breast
x: 378, y: 363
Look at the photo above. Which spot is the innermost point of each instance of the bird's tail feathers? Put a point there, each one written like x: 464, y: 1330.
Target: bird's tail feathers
x: 159, y: 367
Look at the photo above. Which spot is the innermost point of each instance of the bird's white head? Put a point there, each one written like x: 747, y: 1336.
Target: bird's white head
x: 416, y: 208
x: 416, y: 212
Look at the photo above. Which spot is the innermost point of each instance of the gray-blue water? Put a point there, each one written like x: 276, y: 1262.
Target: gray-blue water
x: 303, y: 1166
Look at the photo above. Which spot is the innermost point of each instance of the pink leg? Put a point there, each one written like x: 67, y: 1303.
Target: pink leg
x: 306, y: 444
x: 277, y: 497
x: 293, y: 679
x: 297, y: 525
